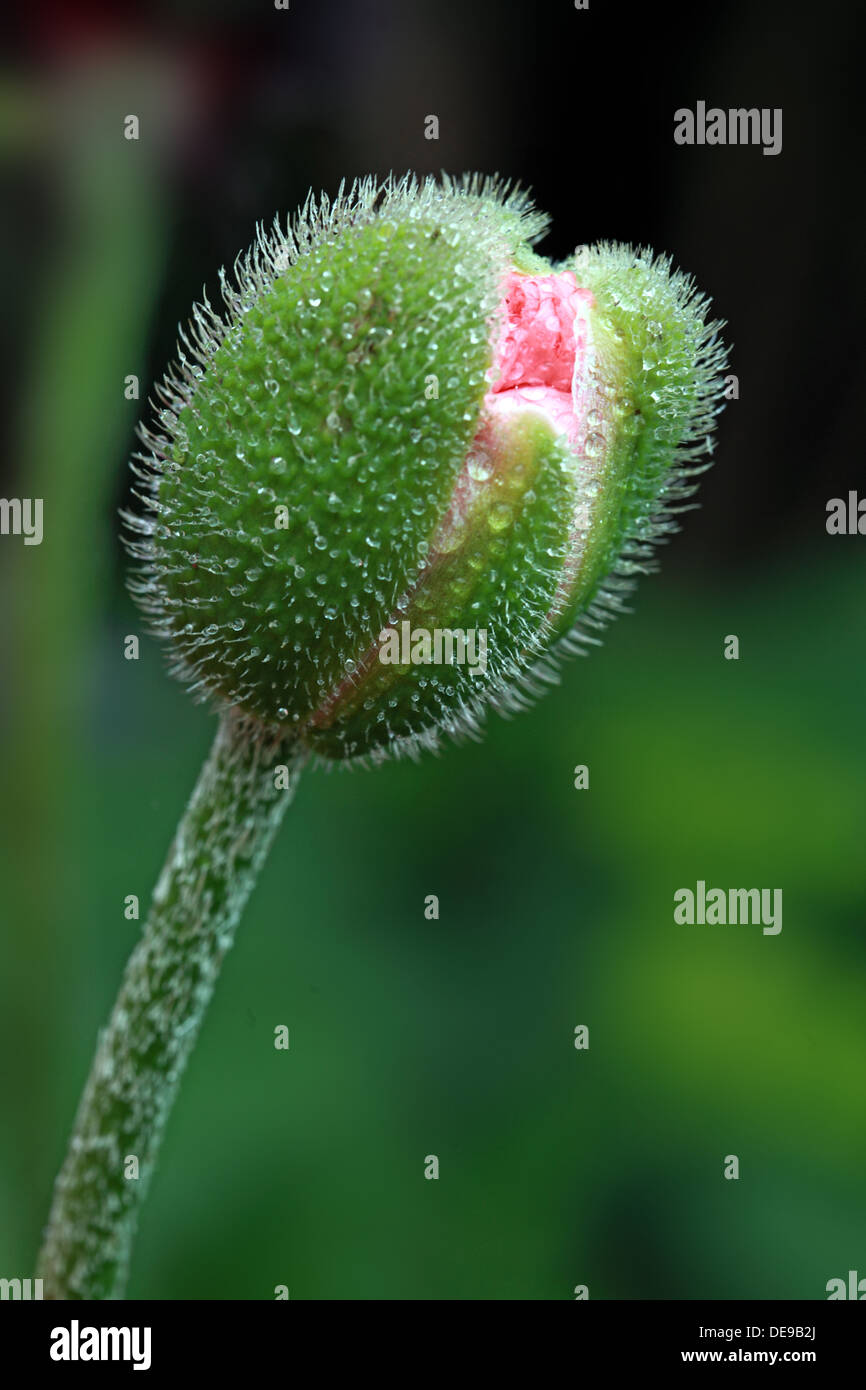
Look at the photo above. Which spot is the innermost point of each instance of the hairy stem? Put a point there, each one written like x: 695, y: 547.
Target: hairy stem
x: 220, y: 846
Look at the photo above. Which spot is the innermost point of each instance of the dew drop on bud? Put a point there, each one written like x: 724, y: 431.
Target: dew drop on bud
x: 500, y: 517
x: 479, y: 467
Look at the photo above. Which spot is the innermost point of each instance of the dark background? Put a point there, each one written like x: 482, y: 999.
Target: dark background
x: 454, y: 1038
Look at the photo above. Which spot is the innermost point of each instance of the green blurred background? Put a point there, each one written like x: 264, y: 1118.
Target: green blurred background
x: 454, y: 1037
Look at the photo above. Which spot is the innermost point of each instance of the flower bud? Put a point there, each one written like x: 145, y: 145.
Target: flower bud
x: 414, y: 463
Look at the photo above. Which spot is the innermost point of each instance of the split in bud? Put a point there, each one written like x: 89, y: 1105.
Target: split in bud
x: 408, y: 417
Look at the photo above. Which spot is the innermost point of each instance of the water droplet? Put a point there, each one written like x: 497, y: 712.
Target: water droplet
x: 479, y: 467
x: 500, y: 517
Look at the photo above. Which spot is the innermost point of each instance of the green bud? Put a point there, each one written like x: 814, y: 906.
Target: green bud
x: 415, y: 463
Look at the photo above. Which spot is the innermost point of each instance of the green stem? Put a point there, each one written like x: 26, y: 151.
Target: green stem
x: 220, y: 846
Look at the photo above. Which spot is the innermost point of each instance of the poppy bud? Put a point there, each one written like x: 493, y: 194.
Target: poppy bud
x: 415, y: 463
